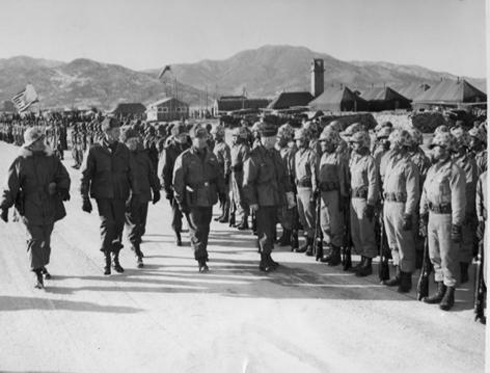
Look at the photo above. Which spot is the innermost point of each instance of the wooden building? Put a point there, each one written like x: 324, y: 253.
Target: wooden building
x: 167, y: 109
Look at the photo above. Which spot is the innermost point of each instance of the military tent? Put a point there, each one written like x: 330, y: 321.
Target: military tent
x: 337, y: 99
x: 385, y: 98
x: 286, y: 100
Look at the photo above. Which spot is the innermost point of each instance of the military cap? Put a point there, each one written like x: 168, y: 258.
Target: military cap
x: 362, y: 138
x: 127, y: 132
x: 109, y: 123
x: 31, y: 135
x: 400, y: 137
x: 443, y: 139
x: 301, y: 133
x: 267, y: 130
x: 198, y: 131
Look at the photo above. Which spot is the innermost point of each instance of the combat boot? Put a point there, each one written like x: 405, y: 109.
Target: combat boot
x: 273, y: 263
x: 303, y: 247
x: 405, y: 282
x: 464, y: 272
x: 395, y: 281
x: 107, y: 261
x: 243, y: 225
x: 358, y: 265
x: 203, y: 267
x: 254, y: 225
x: 333, y: 258
x: 437, y: 297
x: 116, y: 264
x: 448, y: 300
x: 178, y: 239
x: 231, y: 223
x: 366, y: 269
x: 309, y: 248
x: 295, y: 241
x: 224, y: 218
x: 46, y: 274
x: 285, y: 239
x: 265, y: 265
x: 38, y: 279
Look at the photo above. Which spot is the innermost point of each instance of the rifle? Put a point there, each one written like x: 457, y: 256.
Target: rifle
x: 423, y: 282
x: 383, y: 269
x: 318, y: 237
x: 346, y: 250
x: 480, y: 287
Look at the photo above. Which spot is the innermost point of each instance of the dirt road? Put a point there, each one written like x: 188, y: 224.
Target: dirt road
x: 166, y: 317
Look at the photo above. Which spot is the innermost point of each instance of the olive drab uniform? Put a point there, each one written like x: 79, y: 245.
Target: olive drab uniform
x: 305, y: 163
x: 481, y: 212
x: 197, y: 180
x: 444, y: 199
x: 223, y: 154
x: 401, y: 197
x: 287, y: 217
x: 239, y: 154
x: 364, y: 192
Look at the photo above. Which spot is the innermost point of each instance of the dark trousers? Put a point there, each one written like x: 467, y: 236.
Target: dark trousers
x: 112, y: 214
x: 39, y: 244
x: 136, y: 222
x: 176, y: 216
x: 266, y: 227
x: 199, y: 221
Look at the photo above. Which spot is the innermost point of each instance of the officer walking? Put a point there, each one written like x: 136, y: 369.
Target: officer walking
x: 442, y: 211
x: 222, y: 152
x: 108, y: 175
x: 176, y: 144
x: 364, y: 196
x: 401, y: 197
x: 240, y: 151
x: 198, y: 180
x: 267, y: 188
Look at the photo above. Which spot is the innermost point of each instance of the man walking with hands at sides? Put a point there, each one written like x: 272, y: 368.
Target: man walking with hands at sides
x: 108, y: 176
x: 197, y: 182
x: 36, y: 182
x: 267, y: 187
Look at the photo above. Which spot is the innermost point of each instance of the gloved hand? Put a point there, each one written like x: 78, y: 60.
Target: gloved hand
x: 254, y: 207
x: 456, y: 233
x: 368, y: 212
x: 156, y: 196
x: 5, y: 215
x: 407, y: 222
x: 86, y: 205
x: 169, y: 194
x: 480, y: 230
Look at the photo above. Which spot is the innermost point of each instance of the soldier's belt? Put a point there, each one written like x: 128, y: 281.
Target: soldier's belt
x: 395, y: 197
x: 359, y: 192
x: 440, y: 209
x: 305, y: 183
x: 329, y: 186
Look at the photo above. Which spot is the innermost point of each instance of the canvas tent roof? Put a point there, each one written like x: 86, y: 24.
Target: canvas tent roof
x: 129, y: 108
x: 232, y: 103
x: 451, y: 91
x: 333, y: 97
x: 286, y: 100
x: 412, y: 90
x: 382, y: 94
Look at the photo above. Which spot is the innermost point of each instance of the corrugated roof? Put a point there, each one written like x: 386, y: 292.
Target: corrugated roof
x: 286, y: 100
x: 451, y: 91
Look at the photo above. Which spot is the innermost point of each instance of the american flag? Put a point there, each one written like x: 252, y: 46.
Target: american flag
x: 24, y: 99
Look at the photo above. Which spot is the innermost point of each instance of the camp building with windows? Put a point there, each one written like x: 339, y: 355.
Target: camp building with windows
x: 167, y: 109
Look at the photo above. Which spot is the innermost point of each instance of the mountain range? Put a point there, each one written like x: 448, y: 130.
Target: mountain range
x: 261, y: 72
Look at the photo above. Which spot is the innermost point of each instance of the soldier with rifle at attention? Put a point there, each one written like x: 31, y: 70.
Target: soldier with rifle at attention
x: 442, y: 213
x: 364, y: 196
x: 333, y: 187
x: 266, y: 186
x: 176, y: 144
x: 401, y: 197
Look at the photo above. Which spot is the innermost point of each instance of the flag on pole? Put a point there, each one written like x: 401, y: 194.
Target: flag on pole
x: 24, y: 99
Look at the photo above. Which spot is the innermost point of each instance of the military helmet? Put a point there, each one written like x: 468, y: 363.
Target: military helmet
x: 441, y: 128
x: 127, y: 132
x: 384, y: 132
x: 218, y: 131
x: 285, y: 131
x: 480, y: 132
x: 335, y: 125
x: 461, y: 138
x: 400, y: 137
x: 362, y: 138
x: 301, y: 133
x: 311, y: 127
x: 352, y: 129
x: 416, y: 135
x: 330, y: 136
x: 443, y: 139
x: 256, y: 126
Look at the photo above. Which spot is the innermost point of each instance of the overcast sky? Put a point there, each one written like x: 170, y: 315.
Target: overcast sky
x: 444, y: 35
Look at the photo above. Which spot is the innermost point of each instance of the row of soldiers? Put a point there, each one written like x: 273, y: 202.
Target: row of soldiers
x: 332, y: 183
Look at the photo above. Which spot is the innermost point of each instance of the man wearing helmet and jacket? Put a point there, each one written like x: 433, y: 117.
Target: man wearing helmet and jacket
x: 442, y: 210
x: 287, y: 217
x: 222, y: 152
x: 401, y: 197
x: 267, y: 188
x: 333, y: 187
x: 478, y: 146
x: 240, y: 151
x: 467, y: 163
x: 305, y: 164
x: 364, y: 196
